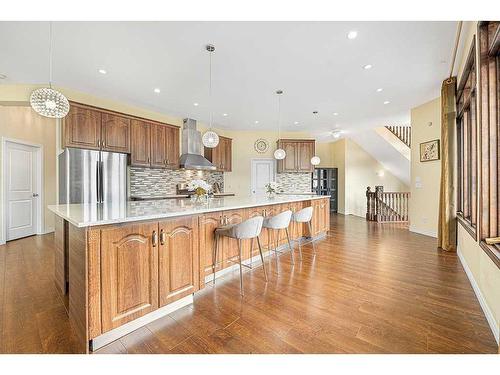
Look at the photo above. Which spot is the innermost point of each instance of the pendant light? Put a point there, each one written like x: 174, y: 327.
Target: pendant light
x: 46, y: 101
x: 279, y: 154
x: 210, y: 138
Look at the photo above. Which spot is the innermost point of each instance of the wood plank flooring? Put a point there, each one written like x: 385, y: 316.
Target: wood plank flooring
x: 370, y: 289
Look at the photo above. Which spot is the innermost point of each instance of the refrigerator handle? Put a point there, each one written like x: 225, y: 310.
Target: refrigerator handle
x: 101, y: 182
x: 97, y: 180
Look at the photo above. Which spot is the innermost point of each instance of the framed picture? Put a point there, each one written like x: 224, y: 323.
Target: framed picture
x: 430, y: 150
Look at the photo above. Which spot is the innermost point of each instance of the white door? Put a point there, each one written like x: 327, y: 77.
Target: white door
x: 263, y: 172
x: 21, y: 183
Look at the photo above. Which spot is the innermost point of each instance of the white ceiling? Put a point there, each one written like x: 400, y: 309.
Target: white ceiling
x: 313, y: 62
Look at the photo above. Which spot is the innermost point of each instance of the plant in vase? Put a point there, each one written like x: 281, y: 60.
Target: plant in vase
x: 272, y: 188
x: 200, y: 188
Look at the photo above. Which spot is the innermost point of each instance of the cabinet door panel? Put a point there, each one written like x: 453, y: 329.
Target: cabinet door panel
x: 172, y: 147
x: 208, y: 223
x: 290, y: 161
x: 82, y: 128
x: 115, y: 133
x: 140, y: 147
x: 129, y: 273
x: 230, y: 245
x: 158, y: 145
x: 304, y: 155
x: 178, y: 259
x: 227, y: 151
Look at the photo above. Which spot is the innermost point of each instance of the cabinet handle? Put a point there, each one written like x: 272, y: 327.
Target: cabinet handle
x: 148, y: 159
x: 162, y: 237
x: 155, y: 238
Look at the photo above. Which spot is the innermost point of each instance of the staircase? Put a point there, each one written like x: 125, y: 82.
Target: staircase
x: 402, y: 132
x: 386, y: 207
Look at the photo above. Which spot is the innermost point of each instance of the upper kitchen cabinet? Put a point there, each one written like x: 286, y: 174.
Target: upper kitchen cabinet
x: 222, y: 155
x: 115, y: 133
x: 140, y: 150
x: 298, y: 155
x: 90, y: 128
x: 82, y: 128
x: 158, y: 146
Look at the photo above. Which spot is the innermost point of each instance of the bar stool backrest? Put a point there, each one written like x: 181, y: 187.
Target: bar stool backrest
x: 303, y: 216
x: 279, y: 221
x: 249, y: 228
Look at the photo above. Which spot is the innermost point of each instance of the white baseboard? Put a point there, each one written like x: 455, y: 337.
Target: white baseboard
x: 47, y: 231
x: 430, y: 233
x: 121, y: 331
x: 487, y: 312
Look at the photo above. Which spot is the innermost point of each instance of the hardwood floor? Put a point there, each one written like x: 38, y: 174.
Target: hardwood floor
x: 370, y: 289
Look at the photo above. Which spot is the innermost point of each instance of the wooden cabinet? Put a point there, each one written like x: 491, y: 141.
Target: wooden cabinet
x: 254, y: 251
x: 298, y: 155
x: 221, y: 156
x: 321, y: 216
x: 178, y: 265
x: 229, y: 246
x: 115, y: 133
x: 159, y: 147
x: 129, y: 273
x: 150, y: 143
x: 140, y: 146
x: 82, y: 128
x: 208, y: 223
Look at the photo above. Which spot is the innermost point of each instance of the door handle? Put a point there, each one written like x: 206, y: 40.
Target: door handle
x: 162, y: 237
x: 35, y: 195
x: 155, y: 238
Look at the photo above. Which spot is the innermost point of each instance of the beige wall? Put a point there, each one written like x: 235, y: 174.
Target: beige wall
x: 484, y: 273
x: 362, y: 170
x: 21, y: 123
x: 424, y: 201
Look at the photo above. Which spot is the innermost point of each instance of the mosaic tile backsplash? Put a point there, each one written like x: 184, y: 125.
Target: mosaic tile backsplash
x: 294, y: 182
x: 150, y: 182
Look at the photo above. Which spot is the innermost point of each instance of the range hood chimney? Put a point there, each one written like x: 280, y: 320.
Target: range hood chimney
x: 192, y: 157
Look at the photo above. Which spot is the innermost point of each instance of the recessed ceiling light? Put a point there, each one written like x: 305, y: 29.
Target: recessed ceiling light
x: 386, y: 102
x: 367, y: 66
x: 102, y: 71
x: 3, y: 76
x: 335, y: 113
x: 224, y: 114
x: 379, y: 90
x: 256, y: 121
x: 157, y: 90
x: 315, y: 112
x: 352, y: 34
x: 195, y: 104
x: 295, y: 122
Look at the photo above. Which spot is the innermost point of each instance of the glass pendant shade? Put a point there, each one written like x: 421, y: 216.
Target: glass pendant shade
x: 315, y: 160
x: 49, y: 103
x: 210, y: 139
x: 279, y: 154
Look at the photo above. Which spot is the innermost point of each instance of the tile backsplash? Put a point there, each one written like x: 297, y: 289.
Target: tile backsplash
x: 151, y: 182
x: 294, y: 182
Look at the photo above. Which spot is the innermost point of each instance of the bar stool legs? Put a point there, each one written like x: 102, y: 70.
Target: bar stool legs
x: 262, y: 258
x: 241, y: 268
x: 214, y: 256
x: 289, y: 245
x: 312, y: 240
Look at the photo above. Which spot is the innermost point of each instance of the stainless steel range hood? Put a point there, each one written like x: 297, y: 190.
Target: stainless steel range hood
x: 192, y: 157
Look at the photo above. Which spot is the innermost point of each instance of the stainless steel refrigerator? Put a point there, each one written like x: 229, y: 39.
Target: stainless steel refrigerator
x: 87, y: 176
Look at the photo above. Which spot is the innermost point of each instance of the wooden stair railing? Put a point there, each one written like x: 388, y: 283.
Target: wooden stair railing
x: 402, y: 132
x: 386, y: 207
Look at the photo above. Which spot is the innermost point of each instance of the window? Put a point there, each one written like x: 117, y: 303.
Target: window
x: 467, y: 145
x: 489, y: 71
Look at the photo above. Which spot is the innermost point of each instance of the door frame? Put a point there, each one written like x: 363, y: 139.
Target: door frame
x: 40, y: 216
x: 252, y: 174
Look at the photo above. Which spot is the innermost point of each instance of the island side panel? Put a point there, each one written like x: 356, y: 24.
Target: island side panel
x: 61, y: 255
x: 78, y: 301
x: 94, y: 282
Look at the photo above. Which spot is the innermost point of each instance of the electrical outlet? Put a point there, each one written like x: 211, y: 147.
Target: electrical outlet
x: 424, y: 220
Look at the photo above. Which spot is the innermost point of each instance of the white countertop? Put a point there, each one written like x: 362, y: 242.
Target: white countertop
x: 91, y: 214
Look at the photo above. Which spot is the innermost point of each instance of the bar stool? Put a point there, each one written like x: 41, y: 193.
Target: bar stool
x: 304, y: 216
x: 277, y: 223
x: 248, y: 229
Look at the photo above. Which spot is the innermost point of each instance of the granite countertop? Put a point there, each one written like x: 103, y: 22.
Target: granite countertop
x: 91, y: 214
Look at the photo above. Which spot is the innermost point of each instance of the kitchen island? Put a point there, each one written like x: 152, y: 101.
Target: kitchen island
x: 126, y: 264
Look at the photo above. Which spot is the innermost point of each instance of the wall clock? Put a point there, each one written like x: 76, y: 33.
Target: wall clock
x: 261, y: 145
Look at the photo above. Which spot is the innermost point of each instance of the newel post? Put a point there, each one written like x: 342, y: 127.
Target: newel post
x: 378, y: 192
